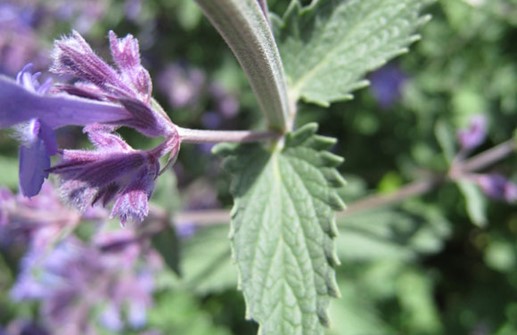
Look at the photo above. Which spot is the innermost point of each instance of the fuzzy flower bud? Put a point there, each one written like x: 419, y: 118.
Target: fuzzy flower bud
x: 474, y: 135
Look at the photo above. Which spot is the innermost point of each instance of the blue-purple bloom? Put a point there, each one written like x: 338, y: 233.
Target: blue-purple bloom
x: 114, y: 171
x: 386, y: 84
x: 36, y: 222
x: 102, y: 99
x: 474, y: 135
x: 497, y: 187
x: 74, y: 279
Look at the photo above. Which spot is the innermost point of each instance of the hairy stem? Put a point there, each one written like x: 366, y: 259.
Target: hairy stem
x: 217, y: 136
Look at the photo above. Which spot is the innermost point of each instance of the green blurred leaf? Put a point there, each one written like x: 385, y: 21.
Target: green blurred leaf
x: 283, y: 228
x: 355, y: 314
x: 177, y: 312
x: 501, y: 255
x: 444, y: 134
x: 328, y: 46
x: 418, y: 309
x: 392, y: 234
x: 166, y: 193
x: 167, y: 243
x: 206, y: 264
x: 9, y: 174
x: 475, y: 202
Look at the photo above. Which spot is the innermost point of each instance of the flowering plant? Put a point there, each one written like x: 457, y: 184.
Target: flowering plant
x: 285, y: 180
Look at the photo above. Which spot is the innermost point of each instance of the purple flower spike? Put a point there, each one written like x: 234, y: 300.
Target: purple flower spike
x: 498, y: 187
x: 39, y: 143
x: 474, y: 135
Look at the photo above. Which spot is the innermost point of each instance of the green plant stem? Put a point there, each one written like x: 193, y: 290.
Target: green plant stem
x: 413, y: 189
x: 247, y: 32
x: 217, y: 136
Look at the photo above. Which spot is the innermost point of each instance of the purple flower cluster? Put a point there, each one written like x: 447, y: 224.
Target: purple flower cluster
x: 102, y: 99
x: 474, y: 135
x: 187, y: 87
x: 37, y: 222
x: 18, y: 41
x: 497, y: 187
x: 74, y: 281
x: 494, y: 185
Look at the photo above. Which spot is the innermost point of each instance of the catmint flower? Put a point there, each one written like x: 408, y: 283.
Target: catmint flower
x: 114, y: 171
x: 103, y: 99
x: 128, y: 85
x: 497, y: 187
x: 23, y: 101
x: 474, y: 135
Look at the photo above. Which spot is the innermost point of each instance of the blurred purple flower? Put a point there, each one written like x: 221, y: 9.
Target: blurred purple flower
x: 182, y: 85
x: 211, y: 120
x: 19, y: 43
x: 187, y: 87
x: 186, y: 230
x: 80, y: 14
x: 24, y: 327
x: 498, y: 187
x: 474, y: 135
x: 386, y: 84
x: 225, y: 103
x: 36, y: 221
x: 74, y: 279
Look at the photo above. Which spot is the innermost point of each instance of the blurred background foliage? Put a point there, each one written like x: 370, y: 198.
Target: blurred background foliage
x: 419, y: 267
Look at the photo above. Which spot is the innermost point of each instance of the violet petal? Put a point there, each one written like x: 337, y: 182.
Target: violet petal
x: 20, y: 105
x: 474, y: 135
x: 33, y: 163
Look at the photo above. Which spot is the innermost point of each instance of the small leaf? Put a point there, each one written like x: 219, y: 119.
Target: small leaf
x: 475, y: 201
x: 167, y: 245
x: 446, y: 139
x: 167, y: 242
x: 328, y: 46
x: 283, y: 229
x: 206, y: 263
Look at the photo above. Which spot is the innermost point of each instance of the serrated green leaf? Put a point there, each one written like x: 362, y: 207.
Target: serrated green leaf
x: 282, y: 231
x: 328, y: 46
